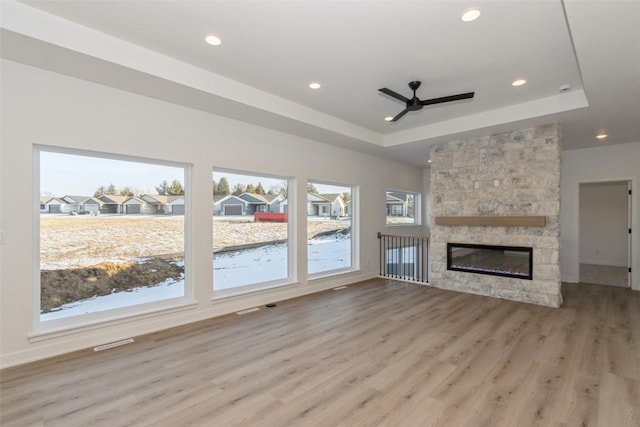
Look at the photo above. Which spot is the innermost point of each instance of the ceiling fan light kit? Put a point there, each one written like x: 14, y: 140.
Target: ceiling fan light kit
x: 415, y: 104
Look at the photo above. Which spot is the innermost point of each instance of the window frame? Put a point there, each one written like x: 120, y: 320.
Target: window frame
x: 355, y: 246
x: 291, y: 278
x: 71, y: 323
x: 417, y: 209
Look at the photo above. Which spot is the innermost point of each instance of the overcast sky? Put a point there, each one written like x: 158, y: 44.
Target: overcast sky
x: 62, y: 174
x: 70, y: 174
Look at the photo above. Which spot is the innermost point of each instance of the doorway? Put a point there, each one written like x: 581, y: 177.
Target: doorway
x: 605, y: 227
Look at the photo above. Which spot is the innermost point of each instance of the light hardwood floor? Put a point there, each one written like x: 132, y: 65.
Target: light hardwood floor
x: 380, y: 353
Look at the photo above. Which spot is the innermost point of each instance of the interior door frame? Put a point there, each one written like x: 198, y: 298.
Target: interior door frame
x: 629, y: 182
x: 630, y: 234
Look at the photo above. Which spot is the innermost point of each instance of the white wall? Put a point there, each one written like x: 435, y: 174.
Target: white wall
x: 40, y: 107
x: 607, y: 163
x: 604, y: 223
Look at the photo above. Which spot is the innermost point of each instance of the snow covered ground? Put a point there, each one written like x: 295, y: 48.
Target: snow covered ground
x: 329, y: 253
x: 240, y: 268
x: 231, y: 270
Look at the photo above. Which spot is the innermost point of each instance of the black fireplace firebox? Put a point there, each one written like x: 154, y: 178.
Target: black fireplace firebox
x: 508, y: 261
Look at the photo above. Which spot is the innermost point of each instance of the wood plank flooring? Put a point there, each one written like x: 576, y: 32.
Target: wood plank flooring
x: 379, y: 353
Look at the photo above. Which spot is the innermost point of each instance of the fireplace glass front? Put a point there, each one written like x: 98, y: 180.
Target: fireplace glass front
x: 509, y: 261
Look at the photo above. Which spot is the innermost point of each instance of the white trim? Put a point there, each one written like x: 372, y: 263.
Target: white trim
x: 573, y: 275
x: 109, y: 156
x: 189, y: 241
x: 417, y: 207
x: 258, y: 286
x: 331, y: 273
x: 35, y: 262
x: 355, y: 241
x: 631, y: 208
x: 630, y: 236
x: 355, y: 227
x: 293, y: 229
x: 78, y: 322
x: 111, y: 318
x: 253, y: 288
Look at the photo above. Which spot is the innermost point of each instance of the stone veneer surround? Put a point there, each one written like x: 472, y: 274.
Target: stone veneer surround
x: 525, y: 165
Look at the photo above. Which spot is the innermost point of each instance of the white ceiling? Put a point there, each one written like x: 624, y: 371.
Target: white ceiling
x: 271, y: 51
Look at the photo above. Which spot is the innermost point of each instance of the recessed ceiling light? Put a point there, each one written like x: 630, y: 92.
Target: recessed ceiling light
x: 213, y: 40
x: 518, y: 82
x: 314, y: 85
x: 388, y: 118
x: 470, y: 15
x: 602, y: 135
x: 429, y: 161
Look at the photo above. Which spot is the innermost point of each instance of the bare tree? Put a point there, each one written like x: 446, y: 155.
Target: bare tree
x: 127, y: 191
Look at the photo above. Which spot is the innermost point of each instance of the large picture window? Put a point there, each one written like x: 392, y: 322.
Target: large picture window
x: 403, y: 207
x: 112, y: 233
x: 250, y: 230
x: 330, y: 211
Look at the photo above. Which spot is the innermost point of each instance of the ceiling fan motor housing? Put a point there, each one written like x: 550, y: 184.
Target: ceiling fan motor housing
x: 414, y: 85
x: 414, y: 103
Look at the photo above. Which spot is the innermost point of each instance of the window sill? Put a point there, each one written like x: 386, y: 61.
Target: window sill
x: 47, y: 332
x: 318, y: 276
x: 241, y: 291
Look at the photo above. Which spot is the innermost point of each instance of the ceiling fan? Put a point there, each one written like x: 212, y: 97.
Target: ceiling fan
x: 415, y: 104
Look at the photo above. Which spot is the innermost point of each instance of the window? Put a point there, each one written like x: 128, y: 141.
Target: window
x: 402, y: 207
x: 112, y: 233
x: 250, y: 230
x: 329, y: 228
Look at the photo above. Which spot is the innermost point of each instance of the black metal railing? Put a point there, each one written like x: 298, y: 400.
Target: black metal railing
x: 404, y: 257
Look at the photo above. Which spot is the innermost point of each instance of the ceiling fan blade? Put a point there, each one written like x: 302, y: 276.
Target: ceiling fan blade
x: 447, y: 98
x: 399, y: 115
x: 396, y: 95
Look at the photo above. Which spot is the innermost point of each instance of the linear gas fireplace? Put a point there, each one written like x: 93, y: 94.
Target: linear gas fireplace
x: 509, y: 261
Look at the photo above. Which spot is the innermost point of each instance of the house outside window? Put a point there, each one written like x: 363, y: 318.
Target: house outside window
x: 403, y: 207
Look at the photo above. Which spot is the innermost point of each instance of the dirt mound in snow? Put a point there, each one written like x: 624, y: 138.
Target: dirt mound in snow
x: 59, y: 287
x: 332, y: 234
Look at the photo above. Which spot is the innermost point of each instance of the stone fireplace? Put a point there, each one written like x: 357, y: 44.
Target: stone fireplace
x: 501, y: 194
